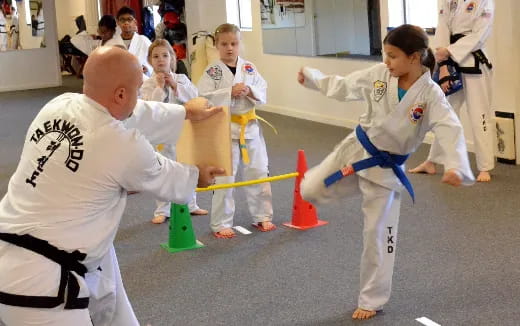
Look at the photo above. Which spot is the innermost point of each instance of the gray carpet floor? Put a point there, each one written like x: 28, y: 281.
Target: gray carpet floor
x: 457, y: 254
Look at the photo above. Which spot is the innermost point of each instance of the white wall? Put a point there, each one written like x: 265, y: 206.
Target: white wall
x: 34, y: 68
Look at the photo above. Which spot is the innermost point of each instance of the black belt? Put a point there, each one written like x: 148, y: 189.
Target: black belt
x: 478, y: 55
x: 69, y: 262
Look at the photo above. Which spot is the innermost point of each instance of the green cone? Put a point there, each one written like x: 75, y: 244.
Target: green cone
x: 181, y: 235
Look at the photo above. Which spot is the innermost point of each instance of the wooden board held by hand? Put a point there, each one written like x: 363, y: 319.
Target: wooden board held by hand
x: 207, y: 142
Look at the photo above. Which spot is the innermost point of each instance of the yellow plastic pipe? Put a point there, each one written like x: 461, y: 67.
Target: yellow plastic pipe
x: 249, y: 182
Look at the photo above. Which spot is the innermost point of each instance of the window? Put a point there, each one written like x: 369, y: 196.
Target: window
x: 416, y: 12
x: 239, y: 13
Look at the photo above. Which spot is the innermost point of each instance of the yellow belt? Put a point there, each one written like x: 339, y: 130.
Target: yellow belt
x: 243, y: 120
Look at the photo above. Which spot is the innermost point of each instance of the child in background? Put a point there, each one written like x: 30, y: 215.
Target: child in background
x: 167, y: 87
x: 236, y: 83
x: 403, y: 104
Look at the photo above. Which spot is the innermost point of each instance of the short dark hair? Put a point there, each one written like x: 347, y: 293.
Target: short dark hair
x: 80, y: 23
x: 125, y: 10
x: 108, y: 21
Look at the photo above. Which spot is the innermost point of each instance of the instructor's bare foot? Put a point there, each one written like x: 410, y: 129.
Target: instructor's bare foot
x: 425, y: 167
x: 224, y: 233
x: 361, y: 314
x: 484, y: 176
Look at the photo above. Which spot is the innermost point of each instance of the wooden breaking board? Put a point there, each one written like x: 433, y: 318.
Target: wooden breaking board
x: 207, y: 142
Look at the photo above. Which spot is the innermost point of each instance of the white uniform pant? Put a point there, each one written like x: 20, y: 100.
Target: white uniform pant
x: 3, y: 41
x: 108, y: 306
x: 381, y: 209
x: 14, y: 41
x: 258, y: 197
x: 163, y: 207
x: 477, y: 96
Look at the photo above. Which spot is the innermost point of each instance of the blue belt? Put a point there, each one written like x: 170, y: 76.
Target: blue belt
x: 383, y: 159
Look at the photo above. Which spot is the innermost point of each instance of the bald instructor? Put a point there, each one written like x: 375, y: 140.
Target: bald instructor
x: 66, y: 198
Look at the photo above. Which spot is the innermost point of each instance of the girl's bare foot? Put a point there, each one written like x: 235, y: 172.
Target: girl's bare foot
x: 199, y: 211
x: 227, y: 233
x: 362, y: 314
x: 265, y: 226
x: 159, y: 219
x: 484, y: 176
x: 425, y: 167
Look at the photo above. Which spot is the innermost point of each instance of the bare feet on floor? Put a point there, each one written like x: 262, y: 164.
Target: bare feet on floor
x: 425, y: 167
x: 159, y: 219
x: 265, y: 226
x: 199, y: 211
x: 225, y: 233
x: 484, y: 176
x: 362, y: 314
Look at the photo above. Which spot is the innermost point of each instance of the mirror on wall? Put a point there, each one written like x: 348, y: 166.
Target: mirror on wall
x: 22, y: 25
x: 329, y: 28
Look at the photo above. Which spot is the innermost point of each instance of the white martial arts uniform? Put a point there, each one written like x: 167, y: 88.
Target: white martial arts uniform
x: 139, y: 48
x: 40, y: 29
x: 395, y: 126
x: 70, y: 189
x: 116, y: 40
x: 185, y: 92
x: 3, y: 32
x: 84, y: 42
x: 475, y: 20
x: 215, y: 84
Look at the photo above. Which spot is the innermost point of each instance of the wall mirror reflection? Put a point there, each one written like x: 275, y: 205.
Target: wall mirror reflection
x: 22, y: 25
x: 332, y: 28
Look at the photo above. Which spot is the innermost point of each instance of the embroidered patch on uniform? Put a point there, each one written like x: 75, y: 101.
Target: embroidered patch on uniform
x: 215, y: 72
x: 249, y: 68
x: 417, y: 112
x: 470, y: 7
x: 453, y: 5
x: 379, y: 90
x: 486, y: 14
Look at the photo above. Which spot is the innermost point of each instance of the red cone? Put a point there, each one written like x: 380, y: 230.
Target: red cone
x: 304, y: 213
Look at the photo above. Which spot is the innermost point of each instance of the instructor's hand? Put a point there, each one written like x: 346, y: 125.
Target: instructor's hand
x: 207, y: 175
x: 452, y: 177
x: 301, y: 77
x: 198, y: 109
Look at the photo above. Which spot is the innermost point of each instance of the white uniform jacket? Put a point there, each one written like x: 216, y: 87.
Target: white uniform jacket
x: 71, y: 184
x: 84, y: 42
x: 40, y: 30
x: 393, y: 126
x: 216, y: 82
x: 3, y: 32
x: 471, y: 18
x: 139, y: 48
x: 185, y: 90
x: 116, y: 40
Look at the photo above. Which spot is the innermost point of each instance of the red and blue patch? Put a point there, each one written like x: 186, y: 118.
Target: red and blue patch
x: 416, y: 113
x: 249, y: 68
x: 470, y: 7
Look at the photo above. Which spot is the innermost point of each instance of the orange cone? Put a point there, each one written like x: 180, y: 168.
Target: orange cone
x: 304, y: 213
